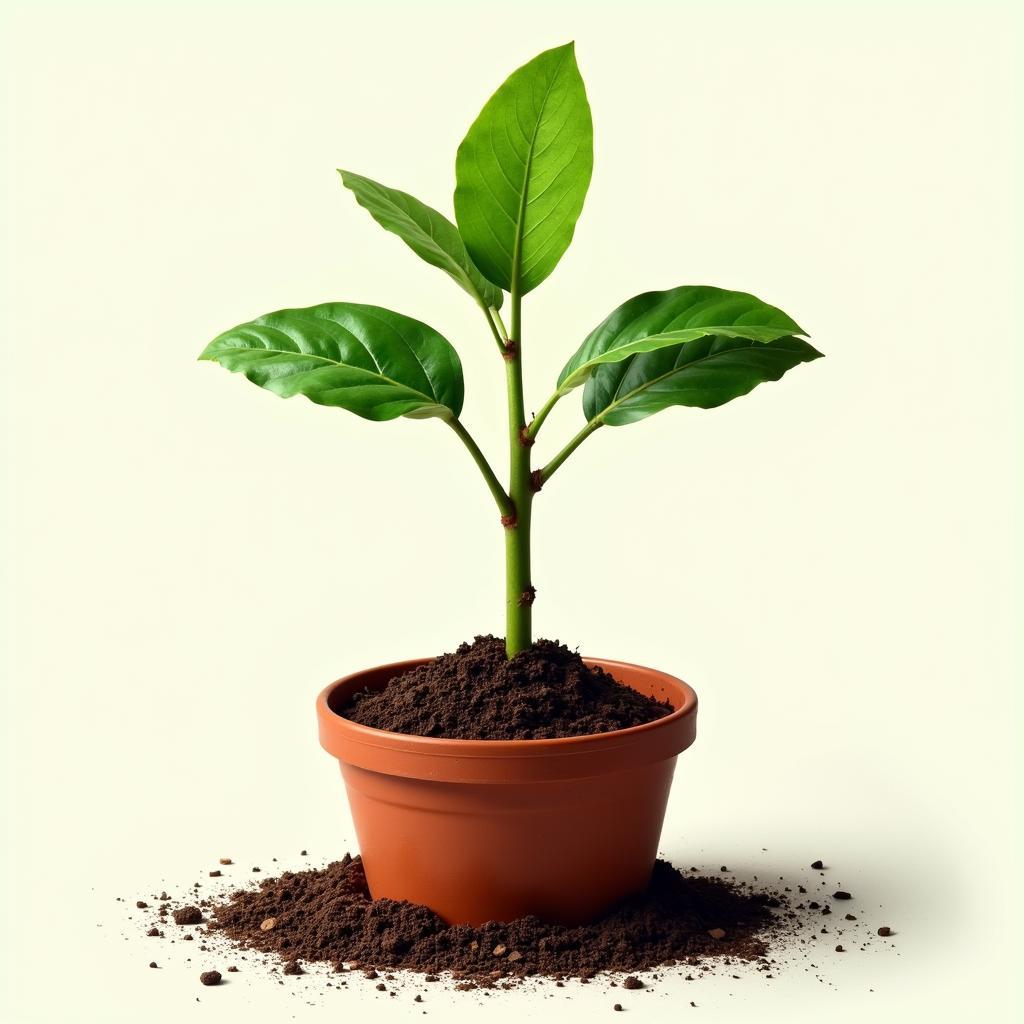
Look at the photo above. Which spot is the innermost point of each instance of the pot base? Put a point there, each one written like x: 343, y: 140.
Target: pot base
x: 482, y: 830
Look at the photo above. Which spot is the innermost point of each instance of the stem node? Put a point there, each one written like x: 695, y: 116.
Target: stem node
x: 519, y: 590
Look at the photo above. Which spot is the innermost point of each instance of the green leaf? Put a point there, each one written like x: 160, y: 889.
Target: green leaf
x: 431, y: 235
x: 705, y: 373
x: 657, y: 320
x: 371, y: 361
x: 523, y: 169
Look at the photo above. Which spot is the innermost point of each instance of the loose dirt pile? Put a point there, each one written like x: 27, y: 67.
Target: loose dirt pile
x: 478, y: 693
x: 699, y: 922
x: 327, y: 915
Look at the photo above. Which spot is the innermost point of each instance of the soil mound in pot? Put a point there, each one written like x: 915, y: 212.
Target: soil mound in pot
x: 477, y: 693
x: 327, y: 915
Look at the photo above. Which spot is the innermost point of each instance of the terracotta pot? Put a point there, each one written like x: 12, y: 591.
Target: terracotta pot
x: 492, y: 830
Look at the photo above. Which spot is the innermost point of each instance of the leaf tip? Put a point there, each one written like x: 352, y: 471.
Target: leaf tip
x: 564, y: 48
x: 812, y: 352
x: 210, y: 353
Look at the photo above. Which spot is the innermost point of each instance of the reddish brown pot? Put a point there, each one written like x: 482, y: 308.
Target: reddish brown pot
x: 492, y: 830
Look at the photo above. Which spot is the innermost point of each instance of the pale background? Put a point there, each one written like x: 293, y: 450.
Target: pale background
x: 829, y: 561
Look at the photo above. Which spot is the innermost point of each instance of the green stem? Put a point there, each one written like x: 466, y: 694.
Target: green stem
x: 504, y: 503
x: 500, y: 323
x: 548, y: 471
x: 518, y: 585
x: 499, y: 340
x: 535, y: 425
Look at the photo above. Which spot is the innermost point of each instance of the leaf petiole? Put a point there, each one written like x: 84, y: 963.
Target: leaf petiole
x: 501, y: 498
x: 535, y: 424
x: 490, y: 313
x: 549, y: 470
x: 500, y: 323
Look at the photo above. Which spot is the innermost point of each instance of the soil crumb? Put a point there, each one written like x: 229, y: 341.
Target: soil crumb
x: 544, y: 692
x: 327, y: 915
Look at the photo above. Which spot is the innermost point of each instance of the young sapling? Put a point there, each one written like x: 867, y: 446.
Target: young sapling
x: 522, y: 174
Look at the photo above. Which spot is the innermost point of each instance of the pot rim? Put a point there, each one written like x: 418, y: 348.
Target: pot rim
x: 426, y: 756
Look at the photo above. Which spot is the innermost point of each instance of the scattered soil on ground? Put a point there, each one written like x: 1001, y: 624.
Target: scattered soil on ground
x: 327, y: 915
x: 699, y: 921
x: 476, y: 692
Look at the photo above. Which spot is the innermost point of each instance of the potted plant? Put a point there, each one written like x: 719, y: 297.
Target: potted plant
x: 480, y: 828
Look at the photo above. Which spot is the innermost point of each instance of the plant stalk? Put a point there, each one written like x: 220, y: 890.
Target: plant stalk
x: 538, y: 420
x: 519, y: 592
x: 548, y: 471
x: 501, y: 499
x: 490, y: 315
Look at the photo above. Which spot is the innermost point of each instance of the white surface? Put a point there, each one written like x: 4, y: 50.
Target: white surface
x: 829, y: 561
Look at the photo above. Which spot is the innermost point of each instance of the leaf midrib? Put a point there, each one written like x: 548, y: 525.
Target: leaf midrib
x: 676, y: 369
x: 707, y: 332
x: 431, y: 242
x: 517, y: 247
x: 406, y: 215
x: 432, y: 399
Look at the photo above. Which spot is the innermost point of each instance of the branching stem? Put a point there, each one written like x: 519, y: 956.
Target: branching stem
x: 499, y: 338
x: 548, y: 471
x: 535, y: 425
x: 501, y: 324
x: 503, y: 501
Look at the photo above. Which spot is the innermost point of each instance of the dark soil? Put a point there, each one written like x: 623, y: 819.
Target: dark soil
x: 327, y: 915
x: 703, y: 923
x: 478, y: 693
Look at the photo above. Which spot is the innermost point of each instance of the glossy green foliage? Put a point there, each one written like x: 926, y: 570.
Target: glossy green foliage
x: 705, y: 373
x: 522, y: 173
x: 523, y: 170
x: 431, y: 235
x: 371, y: 361
x: 662, y: 319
